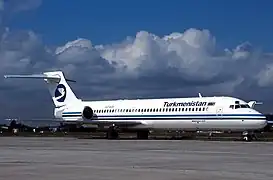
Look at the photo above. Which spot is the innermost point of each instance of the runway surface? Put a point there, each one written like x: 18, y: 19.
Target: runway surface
x: 69, y: 158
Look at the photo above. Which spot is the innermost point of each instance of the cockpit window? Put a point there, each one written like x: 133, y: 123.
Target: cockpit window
x: 237, y: 106
x: 244, y: 106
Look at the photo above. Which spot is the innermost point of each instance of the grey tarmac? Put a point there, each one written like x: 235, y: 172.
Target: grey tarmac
x: 71, y: 158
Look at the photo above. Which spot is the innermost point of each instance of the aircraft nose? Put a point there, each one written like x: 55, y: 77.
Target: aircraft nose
x: 262, y: 120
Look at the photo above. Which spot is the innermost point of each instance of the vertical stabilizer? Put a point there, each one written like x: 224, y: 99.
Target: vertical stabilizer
x: 60, y: 91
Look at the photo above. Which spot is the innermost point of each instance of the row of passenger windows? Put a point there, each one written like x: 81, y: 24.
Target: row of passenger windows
x: 151, y: 110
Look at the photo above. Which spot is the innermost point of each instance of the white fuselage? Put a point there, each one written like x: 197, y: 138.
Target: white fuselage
x: 188, y: 114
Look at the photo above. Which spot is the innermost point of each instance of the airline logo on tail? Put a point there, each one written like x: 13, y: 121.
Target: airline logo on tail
x: 60, y: 93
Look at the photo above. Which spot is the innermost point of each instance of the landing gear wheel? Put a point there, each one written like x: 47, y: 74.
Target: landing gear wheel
x: 142, y: 134
x: 112, y: 133
x: 210, y: 135
x: 254, y: 137
x: 247, y: 138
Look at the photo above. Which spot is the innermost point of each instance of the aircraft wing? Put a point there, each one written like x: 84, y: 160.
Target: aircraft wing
x: 121, y: 123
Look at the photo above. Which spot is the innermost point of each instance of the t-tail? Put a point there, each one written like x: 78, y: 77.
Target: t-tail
x: 57, y: 84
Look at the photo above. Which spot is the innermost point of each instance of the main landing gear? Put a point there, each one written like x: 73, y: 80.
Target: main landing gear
x: 143, y: 134
x: 113, y: 133
x: 249, y: 136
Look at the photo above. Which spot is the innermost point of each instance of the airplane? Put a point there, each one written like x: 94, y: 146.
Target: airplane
x: 215, y: 113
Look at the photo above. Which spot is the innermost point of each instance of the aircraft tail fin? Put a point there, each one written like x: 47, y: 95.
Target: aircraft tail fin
x: 59, y: 89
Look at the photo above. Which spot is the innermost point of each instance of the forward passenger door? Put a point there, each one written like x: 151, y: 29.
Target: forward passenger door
x: 219, y: 112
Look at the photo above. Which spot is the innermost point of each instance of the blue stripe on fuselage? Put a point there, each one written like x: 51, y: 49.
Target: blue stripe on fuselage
x: 172, y: 116
x: 148, y: 115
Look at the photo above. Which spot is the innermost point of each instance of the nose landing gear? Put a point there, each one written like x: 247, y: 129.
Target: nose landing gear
x: 249, y: 136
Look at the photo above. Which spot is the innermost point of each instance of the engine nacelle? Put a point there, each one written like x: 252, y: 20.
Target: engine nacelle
x: 87, y: 112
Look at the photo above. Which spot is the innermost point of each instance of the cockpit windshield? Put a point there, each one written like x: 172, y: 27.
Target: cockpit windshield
x: 243, y: 106
x: 238, y: 106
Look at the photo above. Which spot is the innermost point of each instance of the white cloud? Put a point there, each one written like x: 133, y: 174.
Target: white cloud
x: 191, y: 57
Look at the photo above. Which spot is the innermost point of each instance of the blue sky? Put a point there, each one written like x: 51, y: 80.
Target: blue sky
x: 104, y: 22
x: 146, y: 67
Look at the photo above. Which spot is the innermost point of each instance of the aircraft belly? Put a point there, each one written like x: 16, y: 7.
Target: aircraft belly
x: 173, y: 124
x: 72, y: 119
x: 230, y: 124
x: 189, y: 124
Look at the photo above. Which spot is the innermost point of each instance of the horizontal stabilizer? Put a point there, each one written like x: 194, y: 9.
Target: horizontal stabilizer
x: 57, y: 85
x: 38, y: 76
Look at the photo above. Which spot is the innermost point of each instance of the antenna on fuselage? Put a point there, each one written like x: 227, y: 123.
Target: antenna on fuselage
x: 200, y: 95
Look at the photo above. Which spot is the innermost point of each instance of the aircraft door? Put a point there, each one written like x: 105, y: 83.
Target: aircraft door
x: 219, y: 112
